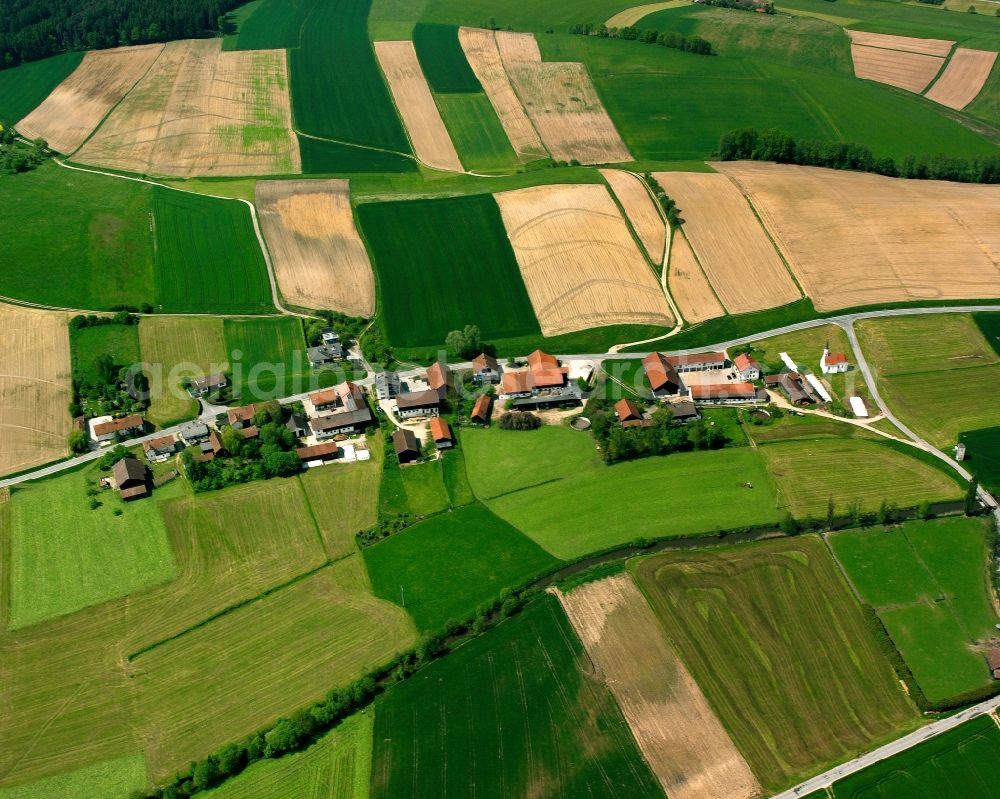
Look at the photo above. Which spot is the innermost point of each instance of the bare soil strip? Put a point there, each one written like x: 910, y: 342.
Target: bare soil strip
x: 640, y: 210
x: 630, y: 16
x: 857, y: 239
x: 738, y: 258
x: 963, y: 78
x: 580, y: 264
x: 688, y: 285
x: 910, y: 71
x: 201, y: 111
x: 77, y: 105
x: 319, y: 259
x: 34, y: 387
x: 420, y: 114
x: 481, y: 50
x: 683, y: 741
x: 561, y: 102
x: 909, y: 44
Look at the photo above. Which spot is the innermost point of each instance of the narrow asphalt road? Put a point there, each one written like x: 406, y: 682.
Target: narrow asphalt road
x: 899, y: 745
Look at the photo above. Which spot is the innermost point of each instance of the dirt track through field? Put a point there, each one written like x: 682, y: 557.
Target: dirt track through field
x: 580, y: 264
x: 431, y: 141
x: 641, y: 211
x: 857, y: 239
x: 906, y: 44
x: 481, y: 50
x: 34, y: 387
x: 561, y: 102
x: 77, y: 105
x: 738, y: 258
x: 683, y: 741
x: 688, y: 285
x: 963, y: 78
x: 910, y: 71
x: 201, y: 111
x: 319, y: 259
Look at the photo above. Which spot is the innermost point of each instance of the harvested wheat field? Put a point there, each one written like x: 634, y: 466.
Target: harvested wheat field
x: 423, y: 122
x: 561, y: 102
x: 738, y: 258
x: 858, y: 239
x: 963, y: 78
x: 907, y: 44
x: 34, y: 387
x: 680, y: 737
x: 77, y: 105
x: 910, y: 71
x: 688, y: 285
x: 319, y: 259
x: 201, y: 111
x: 641, y: 210
x: 580, y: 264
x: 481, y: 50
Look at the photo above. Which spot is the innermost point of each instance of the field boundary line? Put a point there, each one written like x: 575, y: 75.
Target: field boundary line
x: 940, y: 73
x: 237, y: 606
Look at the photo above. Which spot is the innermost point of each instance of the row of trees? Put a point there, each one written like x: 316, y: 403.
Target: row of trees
x: 662, y: 437
x: 670, y: 209
x: 740, y: 5
x: 34, y: 29
x: 676, y: 41
x: 777, y: 145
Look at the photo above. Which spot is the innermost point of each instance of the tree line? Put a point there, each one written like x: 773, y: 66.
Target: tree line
x: 676, y: 41
x: 35, y: 29
x: 750, y: 144
x: 17, y: 157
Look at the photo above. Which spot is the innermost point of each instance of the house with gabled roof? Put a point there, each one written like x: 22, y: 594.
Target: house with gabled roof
x: 746, y: 367
x: 661, y: 374
x: 404, y: 442
x: 439, y: 378
x: 485, y: 369
x: 130, y: 478
x: 833, y: 362
x: 481, y: 410
x: 441, y: 433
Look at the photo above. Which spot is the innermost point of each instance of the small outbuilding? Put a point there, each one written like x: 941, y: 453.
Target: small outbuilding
x: 441, y: 433
x: 629, y: 414
x: 482, y: 409
x: 406, y: 445
x: 130, y: 478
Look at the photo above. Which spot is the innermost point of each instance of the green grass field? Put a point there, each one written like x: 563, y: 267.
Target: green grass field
x: 23, y: 88
x: 114, y: 779
x: 807, y: 473
x: 207, y: 256
x: 338, y: 766
x: 982, y: 456
x: 442, y: 568
x: 989, y: 326
x: 476, y: 131
x: 668, y: 104
x: 267, y: 357
x: 337, y: 89
x: 456, y: 479
x: 778, y: 645
x: 268, y: 24
x: 103, y: 255
x: 550, y: 485
x: 963, y: 763
x: 443, y: 61
x: 424, y: 487
x: 176, y: 348
x: 66, y: 556
x: 87, y: 344
x: 518, y: 15
x: 938, y: 373
x: 928, y: 581
x: 436, y: 262
x: 516, y: 712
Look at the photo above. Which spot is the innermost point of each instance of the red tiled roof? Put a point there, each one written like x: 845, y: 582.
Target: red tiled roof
x: 163, y: 442
x: 117, y: 425
x: 324, y: 397
x: 539, y: 359
x: 836, y: 357
x: 516, y: 382
x: 696, y: 357
x: 481, y: 410
x: 242, y: 414
x: 248, y: 432
x: 659, y: 371
x: 317, y: 451
x: 724, y: 391
x: 744, y: 362
x: 134, y: 491
x: 548, y: 377
x: 484, y: 361
x: 627, y: 410
x: 440, y: 430
x: 437, y: 375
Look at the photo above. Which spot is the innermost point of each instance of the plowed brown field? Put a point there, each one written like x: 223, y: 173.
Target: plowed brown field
x: 858, y: 239
x: 319, y: 259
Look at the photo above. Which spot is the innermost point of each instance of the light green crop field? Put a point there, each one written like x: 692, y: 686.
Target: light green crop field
x: 778, y: 645
x: 425, y: 490
x: 549, y: 484
x: 284, y: 650
x: 271, y: 357
x: 337, y: 766
x: 442, y: 568
x: 103, y: 255
x: 456, y: 479
x: 807, y: 473
x: 929, y: 583
x: 66, y: 556
x: 24, y: 87
x: 511, y: 713
x: 963, y: 763
x: 176, y: 348
x: 936, y: 372
x: 207, y: 256
x: 113, y: 779
x: 476, y: 131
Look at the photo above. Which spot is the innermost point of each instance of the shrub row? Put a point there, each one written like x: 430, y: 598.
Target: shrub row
x: 676, y: 41
x: 775, y: 145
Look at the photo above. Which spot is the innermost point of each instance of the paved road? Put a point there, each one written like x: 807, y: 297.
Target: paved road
x: 900, y: 745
